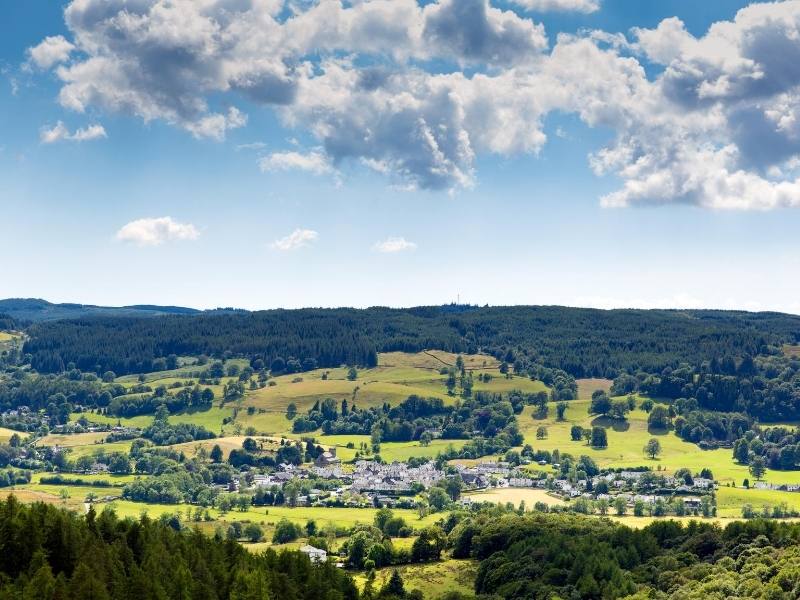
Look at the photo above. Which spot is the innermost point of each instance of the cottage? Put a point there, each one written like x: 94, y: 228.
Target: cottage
x: 327, y: 458
x: 316, y: 555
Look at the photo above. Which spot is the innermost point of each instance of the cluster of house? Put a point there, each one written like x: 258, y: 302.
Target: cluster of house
x: 366, y: 483
x: 782, y: 487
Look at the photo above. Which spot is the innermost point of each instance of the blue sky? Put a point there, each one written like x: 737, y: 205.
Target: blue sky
x: 488, y: 220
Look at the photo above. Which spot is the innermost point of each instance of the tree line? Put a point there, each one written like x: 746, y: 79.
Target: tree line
x: 581, y: 342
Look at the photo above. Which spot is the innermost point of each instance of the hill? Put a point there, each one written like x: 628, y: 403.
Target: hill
x: 34, y: 310
x: 583, y: 342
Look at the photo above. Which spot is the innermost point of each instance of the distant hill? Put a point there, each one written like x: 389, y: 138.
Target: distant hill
x: 35, y: 310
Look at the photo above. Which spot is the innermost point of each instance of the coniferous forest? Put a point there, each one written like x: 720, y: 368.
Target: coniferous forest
x: 582, y: 342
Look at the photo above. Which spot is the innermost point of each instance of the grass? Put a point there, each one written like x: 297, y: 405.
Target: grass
x: 791, y: 350
x: 432, y: 579
x: 626, y: 441
x: 95, y: 449
x: 436, y: 359
x: 587, y: 386
x: 731, y: 500
x: 515, y: 496
x: 7, y: 336
x: 390, y: 451
x: 180, y: 374
x: 72, y: 440
x: 5, y: 434
x: 324, y: 516
x: 211, y: 419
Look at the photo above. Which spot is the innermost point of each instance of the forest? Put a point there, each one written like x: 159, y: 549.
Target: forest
x: 582, y: 342
x: 48, y: 553
x: 545, y: 556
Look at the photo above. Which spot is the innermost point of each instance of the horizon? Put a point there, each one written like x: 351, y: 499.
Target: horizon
x: 390, y: 307
x: 590, y: 153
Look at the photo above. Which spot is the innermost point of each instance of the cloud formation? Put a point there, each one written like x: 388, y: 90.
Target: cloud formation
x: 51, y: 51
x: 156, y: 231
x: 297, y: 239
x: 392, y: 245
x: 717, y: 126
x: 313, y: 162
x: 60, y: 133
x: 581, y: 6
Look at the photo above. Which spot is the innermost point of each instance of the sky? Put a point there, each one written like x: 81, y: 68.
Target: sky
x: 289, y: 153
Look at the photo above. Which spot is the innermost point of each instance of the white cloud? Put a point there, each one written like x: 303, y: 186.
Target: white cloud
x: 251, y: 146
x: 582, y: 6
x: 394, y: 244
x: 156, y: 231
x: 59, y: 133
x: 715, y: 128
x: 51, y: 51
x: 297, y: 239
x: 312, y: 162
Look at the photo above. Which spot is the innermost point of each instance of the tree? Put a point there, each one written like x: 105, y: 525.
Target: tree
x: 429, y: 544
x: 285, y: 532
x: 425, y: 439
x: 741, y: 451
x: 576, y: 433
x: 620, y: 506
x: 216, y: 454
x: 561, y: 409
x: 541, y: 433
x: 352, y: 374
x: 659, y: 417
x: 619, y: 409
x: 652, y: 448
x: 599, y: 438
x: 438, y: 498
x: 253, y: 532
x: 600, y: 404
x: 453, y: 486
x: 291, y: 411
x: 394, y: 587
x: 757, y: 467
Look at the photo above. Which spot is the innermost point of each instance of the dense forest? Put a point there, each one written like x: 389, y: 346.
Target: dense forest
x: 48, y: 554
x: 582, y: 342
x: 766, y: 387
x: 539, y: 556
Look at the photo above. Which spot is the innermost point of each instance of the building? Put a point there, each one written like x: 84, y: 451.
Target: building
x: 327, y: 458
x: 316, y: 555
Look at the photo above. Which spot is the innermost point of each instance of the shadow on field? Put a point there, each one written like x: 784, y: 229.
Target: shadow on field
x: 608, y: 422
x: 652, y: 430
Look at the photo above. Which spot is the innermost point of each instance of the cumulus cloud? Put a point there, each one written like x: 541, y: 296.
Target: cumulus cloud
x: 312, y: 162
x: 297, y: 239
x: 472, y: 30
x: 60, y: 133
x: 716, y: 126
x: 51, y: 51
x: 156, y: 231
x: 581, y: 6
x: 394, y: 244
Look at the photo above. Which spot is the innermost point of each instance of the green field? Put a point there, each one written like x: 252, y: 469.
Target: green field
x: 731, y: 500
x: 626, y: 441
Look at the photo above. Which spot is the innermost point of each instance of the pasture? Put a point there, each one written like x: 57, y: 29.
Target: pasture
x: 5, y: 434
x: 515, y: 496
x: 626, y: 441
x: 432, y: 579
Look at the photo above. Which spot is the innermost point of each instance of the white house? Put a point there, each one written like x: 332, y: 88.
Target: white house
x: 316, y: 555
